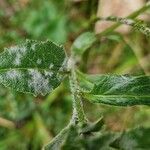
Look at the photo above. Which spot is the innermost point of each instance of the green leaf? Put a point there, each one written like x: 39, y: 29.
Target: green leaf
x: 34, y: 21
x: 98, y: 141
x: 73, y: 140
x: 57, y: 142
x: 135, y: 139
x: 83, y: 42
x: 119, y: 90
x: 93, y: 127
x: 32, y: 67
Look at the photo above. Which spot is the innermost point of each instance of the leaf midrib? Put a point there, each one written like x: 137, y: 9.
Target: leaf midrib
x: 114, y: 96
x: 41, y: 69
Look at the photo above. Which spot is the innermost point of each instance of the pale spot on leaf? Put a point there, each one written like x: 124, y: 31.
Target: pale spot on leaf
x: 38, y: 82
x: 39, y: 61
x: 13, y: 74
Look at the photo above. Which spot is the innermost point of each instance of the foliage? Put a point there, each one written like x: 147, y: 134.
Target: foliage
x: 57, y: 80
x: 123, y: 90
x: 27, y: 68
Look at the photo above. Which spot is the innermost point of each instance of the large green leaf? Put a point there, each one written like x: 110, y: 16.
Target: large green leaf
x: 32, y: 67
x: 119, y: 90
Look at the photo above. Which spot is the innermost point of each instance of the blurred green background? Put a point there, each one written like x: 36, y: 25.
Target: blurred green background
x: 27, y: 122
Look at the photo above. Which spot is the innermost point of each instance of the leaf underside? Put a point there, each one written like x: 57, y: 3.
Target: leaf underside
x: 119, y: 90
x: 32, y: 67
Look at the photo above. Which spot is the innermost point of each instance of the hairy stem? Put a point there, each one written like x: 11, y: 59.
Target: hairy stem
x: 131, y: 16
x: 78, y: 112
x: 137, y: 25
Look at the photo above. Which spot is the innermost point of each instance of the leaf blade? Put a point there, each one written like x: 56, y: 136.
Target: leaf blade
x: 119, y: 90
x: 83, y: 42
x: 33, y: 67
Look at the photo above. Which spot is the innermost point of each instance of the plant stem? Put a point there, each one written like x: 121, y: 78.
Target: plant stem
x: 78, y: 112
x: 131, y: 16
x: 137, y: 25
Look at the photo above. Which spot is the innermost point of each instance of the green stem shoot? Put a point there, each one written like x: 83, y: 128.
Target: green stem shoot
x: 78, y: 112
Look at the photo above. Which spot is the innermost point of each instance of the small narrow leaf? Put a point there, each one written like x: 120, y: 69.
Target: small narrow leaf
x: 73, y: 140
x: 83, y: 42
x: 32, y: 67
x: 57, y: 142
x: 119, y: 90
x: 93, y: 127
